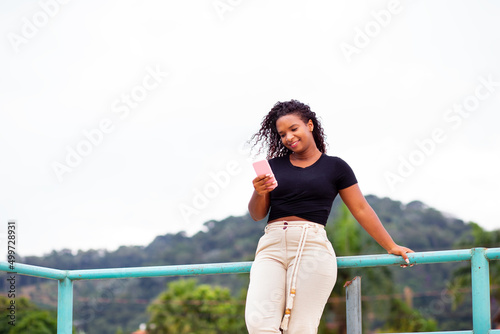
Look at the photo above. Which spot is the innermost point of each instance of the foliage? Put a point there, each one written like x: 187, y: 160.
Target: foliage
x: 36, y: 322
x: 29, y: 318
x: 186, y: 307
x: 403, y: 319
x: 345, y: 233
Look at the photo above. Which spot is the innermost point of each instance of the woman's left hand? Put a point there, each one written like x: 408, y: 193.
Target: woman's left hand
x: 402, y: 251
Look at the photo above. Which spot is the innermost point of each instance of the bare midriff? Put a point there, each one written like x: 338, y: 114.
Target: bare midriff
x: 287, y: 218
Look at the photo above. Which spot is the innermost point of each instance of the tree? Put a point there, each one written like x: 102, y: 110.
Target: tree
x: 28, y: 318
x: 404, y: 319
x: 186, y: 307
x: 36, y: 322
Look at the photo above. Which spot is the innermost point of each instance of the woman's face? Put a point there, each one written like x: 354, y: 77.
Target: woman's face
x: 295, y: 134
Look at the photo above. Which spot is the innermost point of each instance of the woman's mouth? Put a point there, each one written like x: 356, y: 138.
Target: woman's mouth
x: 294, y: 144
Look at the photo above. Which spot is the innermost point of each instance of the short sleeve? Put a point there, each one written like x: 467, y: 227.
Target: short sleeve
x: 346, y: 177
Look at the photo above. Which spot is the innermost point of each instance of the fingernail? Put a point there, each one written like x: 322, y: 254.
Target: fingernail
x: 407, y: 261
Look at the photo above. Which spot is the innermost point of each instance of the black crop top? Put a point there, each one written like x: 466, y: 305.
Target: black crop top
x: 308, y: 192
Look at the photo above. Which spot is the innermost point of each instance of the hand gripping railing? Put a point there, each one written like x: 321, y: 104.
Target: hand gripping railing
x: 479, y: 258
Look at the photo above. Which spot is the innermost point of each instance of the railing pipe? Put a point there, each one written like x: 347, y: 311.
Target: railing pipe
x: 238, y: 267
x: 387, y: 259
x: 26, y: 269
x: 181, y: 270
x: 493, y: 254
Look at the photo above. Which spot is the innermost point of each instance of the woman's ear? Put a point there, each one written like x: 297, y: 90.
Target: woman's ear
x: 310, y: 125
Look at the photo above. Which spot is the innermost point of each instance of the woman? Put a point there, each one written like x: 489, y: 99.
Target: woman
x: 295, y: 267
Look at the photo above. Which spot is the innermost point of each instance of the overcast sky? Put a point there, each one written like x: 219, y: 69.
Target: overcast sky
x: 124, y: 120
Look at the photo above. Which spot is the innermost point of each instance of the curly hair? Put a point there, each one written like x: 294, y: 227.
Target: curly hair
x: 268, y: 134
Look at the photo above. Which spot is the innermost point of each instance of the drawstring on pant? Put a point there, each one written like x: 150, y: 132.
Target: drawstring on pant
x: 293, y: 289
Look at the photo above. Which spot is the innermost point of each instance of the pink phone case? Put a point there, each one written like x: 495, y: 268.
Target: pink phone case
x: 262, y: 168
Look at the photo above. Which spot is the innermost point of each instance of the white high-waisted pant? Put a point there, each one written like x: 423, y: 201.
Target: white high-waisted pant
x: 273, y: 278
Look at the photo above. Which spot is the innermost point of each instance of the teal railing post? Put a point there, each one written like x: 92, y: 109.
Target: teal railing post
x: 65, y: 306
x: 480, y: 270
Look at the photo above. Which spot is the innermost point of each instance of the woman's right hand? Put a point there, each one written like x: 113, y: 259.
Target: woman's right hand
x: 261, y: 186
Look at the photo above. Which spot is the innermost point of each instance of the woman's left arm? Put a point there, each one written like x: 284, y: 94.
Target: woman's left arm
x: 368, y: 219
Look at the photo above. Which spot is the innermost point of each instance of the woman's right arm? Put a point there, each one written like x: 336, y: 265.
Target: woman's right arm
x: 260, y: 201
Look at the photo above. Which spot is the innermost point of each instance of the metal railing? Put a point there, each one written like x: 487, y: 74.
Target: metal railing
x: 478, y: 257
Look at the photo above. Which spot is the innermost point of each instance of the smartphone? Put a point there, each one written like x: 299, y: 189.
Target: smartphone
x: 262, y: 168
